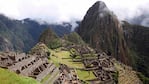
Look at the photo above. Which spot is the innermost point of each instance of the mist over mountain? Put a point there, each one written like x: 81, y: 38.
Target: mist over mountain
x: 66, y: 10
x: 22, y: 35
x: 140, y: 19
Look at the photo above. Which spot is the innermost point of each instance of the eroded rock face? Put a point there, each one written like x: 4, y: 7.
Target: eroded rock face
x: 137, y: 38
x: 102, y: 30
x: 5, y: 44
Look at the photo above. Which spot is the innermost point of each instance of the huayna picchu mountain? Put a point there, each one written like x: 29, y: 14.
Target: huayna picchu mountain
x: 103, y: 31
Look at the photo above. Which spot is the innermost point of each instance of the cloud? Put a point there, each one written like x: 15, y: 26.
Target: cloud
x: 66, y: 10
x: 9, y: 8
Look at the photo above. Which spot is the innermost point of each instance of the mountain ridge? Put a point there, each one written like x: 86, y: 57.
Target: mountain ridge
x: 22, y: 35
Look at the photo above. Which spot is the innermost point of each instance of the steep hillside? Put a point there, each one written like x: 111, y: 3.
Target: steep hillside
x: 22, y: 35
x: 137, y: 38
x: 8, y: 77
x: 102, y: 30
x: 15, y: 35
x: 73, y: 37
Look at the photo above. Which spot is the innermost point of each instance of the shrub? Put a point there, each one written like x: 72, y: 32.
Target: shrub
x: 144, y: 79
x: 54, y: 44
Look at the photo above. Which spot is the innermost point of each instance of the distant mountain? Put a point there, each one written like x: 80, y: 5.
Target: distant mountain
x: 22, y: 35
x: 102, y: 30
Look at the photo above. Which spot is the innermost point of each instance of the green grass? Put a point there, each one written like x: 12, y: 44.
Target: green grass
x: 85, y: 75
x: 8, y: 77
x: 144, y: 79
x: 90, y: 55
x: 45, y: 79
x: 58, y: 56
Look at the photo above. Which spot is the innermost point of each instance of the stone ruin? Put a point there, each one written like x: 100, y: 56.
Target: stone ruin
x: 103, y: 68
x: 38, y: 67
x: 101, y: 64
x: 35, y: 66
x: 7, y: 59
x: 67, y: 76
x: 80, y: 49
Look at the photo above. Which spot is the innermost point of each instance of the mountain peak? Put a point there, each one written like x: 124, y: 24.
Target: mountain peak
x: 100, y: 5
x: 100, y: 9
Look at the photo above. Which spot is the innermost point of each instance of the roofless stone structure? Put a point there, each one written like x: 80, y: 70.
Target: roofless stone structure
x: 35, y: 66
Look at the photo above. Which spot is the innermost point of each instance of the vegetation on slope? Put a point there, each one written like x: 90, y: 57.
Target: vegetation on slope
x: 50, y: 38
x: 53, y: 41
x: 22, y: 35
x: 137, y: 39
x: 74, y: 38
x: 144, y: 79
x: 53, y: 44
x: 8, y: 77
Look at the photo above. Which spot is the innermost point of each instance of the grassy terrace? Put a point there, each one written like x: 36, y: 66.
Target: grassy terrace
x: 8, y: 77
x: 85, y: 75
x: 58, y: 56
x: 61, y: 56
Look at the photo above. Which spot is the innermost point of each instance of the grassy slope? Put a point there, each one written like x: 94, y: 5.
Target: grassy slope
x: 57, y: 57
x: 85, y: 75
x: 8, y: 77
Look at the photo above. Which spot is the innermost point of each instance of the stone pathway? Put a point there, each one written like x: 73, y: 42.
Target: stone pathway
x: 53, y: 77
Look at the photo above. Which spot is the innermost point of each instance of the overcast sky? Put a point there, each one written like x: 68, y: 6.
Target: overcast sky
x: 67, y: 10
